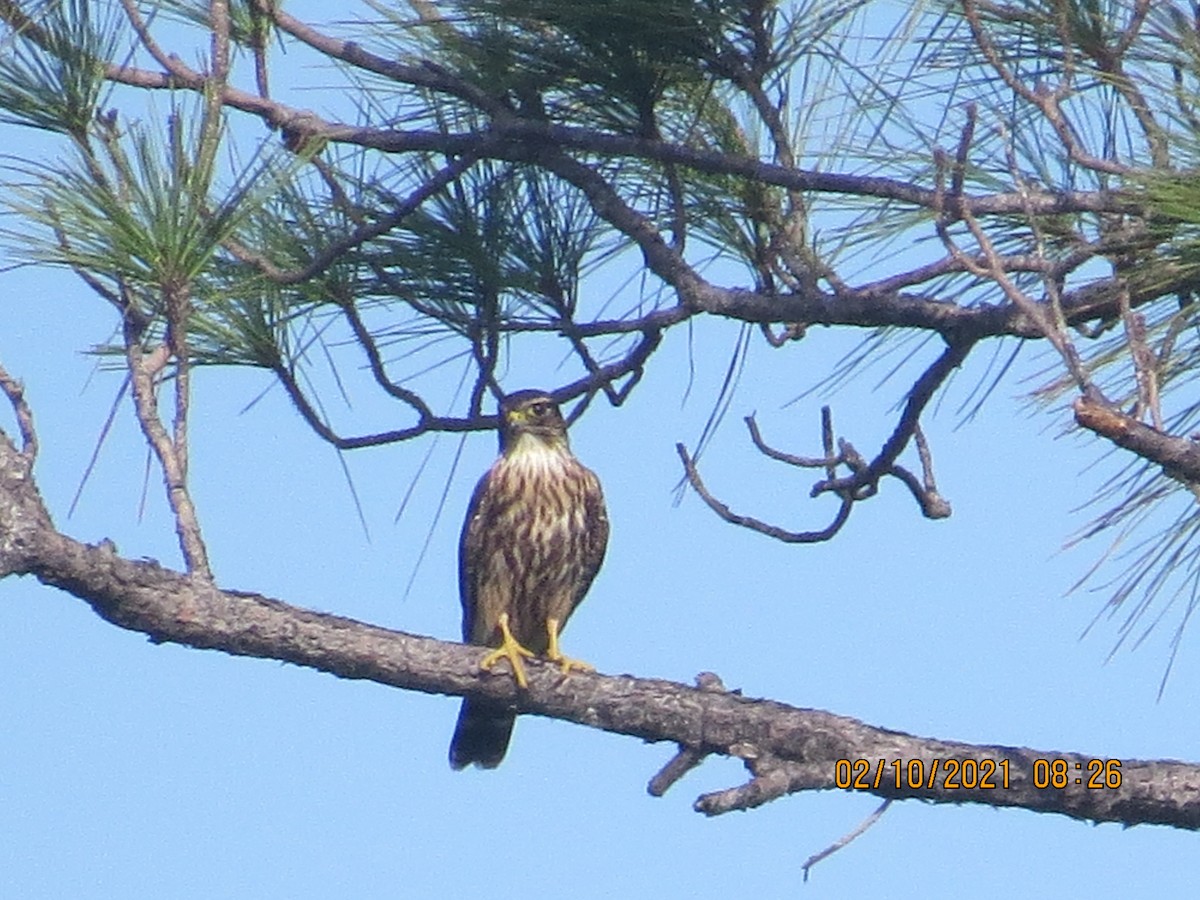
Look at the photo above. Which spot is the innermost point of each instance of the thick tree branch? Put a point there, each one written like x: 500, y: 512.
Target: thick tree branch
x: 787, y: 748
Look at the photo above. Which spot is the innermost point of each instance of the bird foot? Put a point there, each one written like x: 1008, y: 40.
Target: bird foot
x: 566, y: 664
x: 555, y: 655
x: 510, y: 648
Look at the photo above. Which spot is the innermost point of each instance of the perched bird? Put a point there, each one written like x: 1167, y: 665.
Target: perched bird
x: 534, y: 538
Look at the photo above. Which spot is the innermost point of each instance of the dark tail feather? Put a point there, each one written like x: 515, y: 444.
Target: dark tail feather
x: 482, y: 734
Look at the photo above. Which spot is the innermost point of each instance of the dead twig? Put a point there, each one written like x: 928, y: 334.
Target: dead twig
x: 863, y: 480
x: 15, y: 392
x: 780, y: 534
x: 845, y: 839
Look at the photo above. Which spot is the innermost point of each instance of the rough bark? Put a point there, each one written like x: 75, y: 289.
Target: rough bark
x: 786, y: 748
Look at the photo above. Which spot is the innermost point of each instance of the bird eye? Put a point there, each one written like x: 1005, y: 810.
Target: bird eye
x: 541, y: 410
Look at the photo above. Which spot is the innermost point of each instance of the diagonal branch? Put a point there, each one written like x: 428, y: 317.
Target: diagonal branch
x: 789, y: 749
x: 366, y: 231
x: 1178, y: 456
x: 918, y: 398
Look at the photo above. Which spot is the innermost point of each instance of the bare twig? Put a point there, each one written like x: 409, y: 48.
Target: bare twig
x: 1111, y: 61
x: 15, y: 392
x: 143, y: 368
x: 367, y: 341
x: 864, y: 478
x: 260, y: 17
x: 780, y: 534
x: 933, y: 504
x: 427, y: 75
x: 807, y: 462
x: 169, y: 61
x: 1145, y: 363
x: 677, y: 766
x: 845, y: 839
x: 323, y: 430
x: 772, y: 779
x: 365, y: 232
x: 918, y: 398
x: 962, y: 155
x: 994, y: 270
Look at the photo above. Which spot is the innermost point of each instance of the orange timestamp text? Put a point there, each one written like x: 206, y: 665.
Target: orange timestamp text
x: 972, y: 774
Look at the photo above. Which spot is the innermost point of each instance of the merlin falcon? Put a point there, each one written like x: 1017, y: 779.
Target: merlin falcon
x: 534, y: 538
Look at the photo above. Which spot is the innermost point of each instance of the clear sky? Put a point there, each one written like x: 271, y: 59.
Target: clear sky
x: 129, y: 769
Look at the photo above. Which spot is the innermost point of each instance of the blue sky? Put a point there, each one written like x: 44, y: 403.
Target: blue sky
x: 128, y: 769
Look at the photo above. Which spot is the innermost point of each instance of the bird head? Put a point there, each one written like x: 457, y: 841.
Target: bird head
x: 531, y: 415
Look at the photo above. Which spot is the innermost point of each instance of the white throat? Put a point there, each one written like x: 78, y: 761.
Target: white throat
x: 530, y: 453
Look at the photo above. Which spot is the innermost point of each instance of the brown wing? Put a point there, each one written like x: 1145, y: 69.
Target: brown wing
x: 595, y: 520
x: 473, y: 550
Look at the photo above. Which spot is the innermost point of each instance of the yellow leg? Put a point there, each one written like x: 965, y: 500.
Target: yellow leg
x: 510, y: 649
x: 555, y: 655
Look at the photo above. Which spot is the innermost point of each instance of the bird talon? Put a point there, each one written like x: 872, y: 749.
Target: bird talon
x: 566, y: 665
x: 555, y: 655
x: 510, y: 648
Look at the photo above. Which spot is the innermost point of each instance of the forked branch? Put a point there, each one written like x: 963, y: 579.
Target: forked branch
x: 863, y: 479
